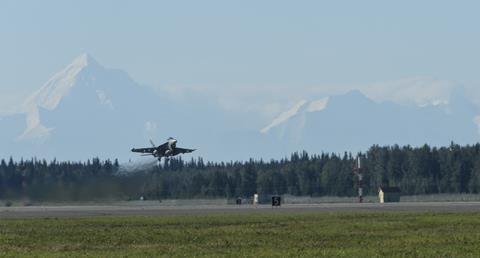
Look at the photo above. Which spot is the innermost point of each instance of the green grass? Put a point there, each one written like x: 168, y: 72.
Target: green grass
x: 282, y: 235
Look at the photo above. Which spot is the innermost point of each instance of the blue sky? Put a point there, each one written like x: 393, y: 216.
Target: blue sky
x: 228, y: 46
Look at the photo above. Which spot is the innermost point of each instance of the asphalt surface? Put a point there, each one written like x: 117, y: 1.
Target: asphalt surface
x: 160, y: 210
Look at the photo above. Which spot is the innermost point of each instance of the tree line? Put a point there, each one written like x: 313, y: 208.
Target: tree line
x: 415, y: 170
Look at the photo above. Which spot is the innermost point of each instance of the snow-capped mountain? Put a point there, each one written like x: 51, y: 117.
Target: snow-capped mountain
x: 49, y: 96
x: 88, y: 110
x: 353, y: 122
x: 302, y: 106
x: 59, y: 86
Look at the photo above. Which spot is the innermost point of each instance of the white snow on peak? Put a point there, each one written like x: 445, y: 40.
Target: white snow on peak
x: 50, y: 94
x: 35, y: 129
x: 416, y: 91
x: 434, y: 103
x: 284, y: 116
x: 318, y: 105
x: 83, y: 60
x: 104, y: 99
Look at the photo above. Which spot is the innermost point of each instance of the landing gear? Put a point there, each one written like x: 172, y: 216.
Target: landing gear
x: 165, y: 161
x: 159, y: 161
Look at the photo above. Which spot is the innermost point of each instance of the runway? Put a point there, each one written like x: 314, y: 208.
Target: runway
x: 161, y: 210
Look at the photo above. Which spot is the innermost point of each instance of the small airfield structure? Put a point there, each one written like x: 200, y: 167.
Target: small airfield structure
x: 389, y: 194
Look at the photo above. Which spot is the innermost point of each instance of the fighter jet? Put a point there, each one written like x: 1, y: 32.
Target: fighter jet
x: 168, y: 149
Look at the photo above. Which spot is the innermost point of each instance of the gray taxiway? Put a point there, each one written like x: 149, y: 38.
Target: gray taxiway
x: 162, y: 210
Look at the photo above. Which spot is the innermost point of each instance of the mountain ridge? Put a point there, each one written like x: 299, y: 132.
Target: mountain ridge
x: 353, y: 121
x: 88, y: 110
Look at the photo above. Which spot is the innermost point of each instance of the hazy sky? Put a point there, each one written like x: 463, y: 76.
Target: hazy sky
x: 253, y: 47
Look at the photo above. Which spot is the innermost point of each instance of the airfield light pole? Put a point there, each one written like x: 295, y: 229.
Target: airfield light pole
x: 358, y: 172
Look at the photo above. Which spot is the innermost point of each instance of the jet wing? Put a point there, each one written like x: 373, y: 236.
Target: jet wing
x: 163, y: 147
x: 182, y: 150
x: 144, y: 150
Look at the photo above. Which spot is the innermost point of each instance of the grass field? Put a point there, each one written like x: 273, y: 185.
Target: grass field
x: 282, y: 235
